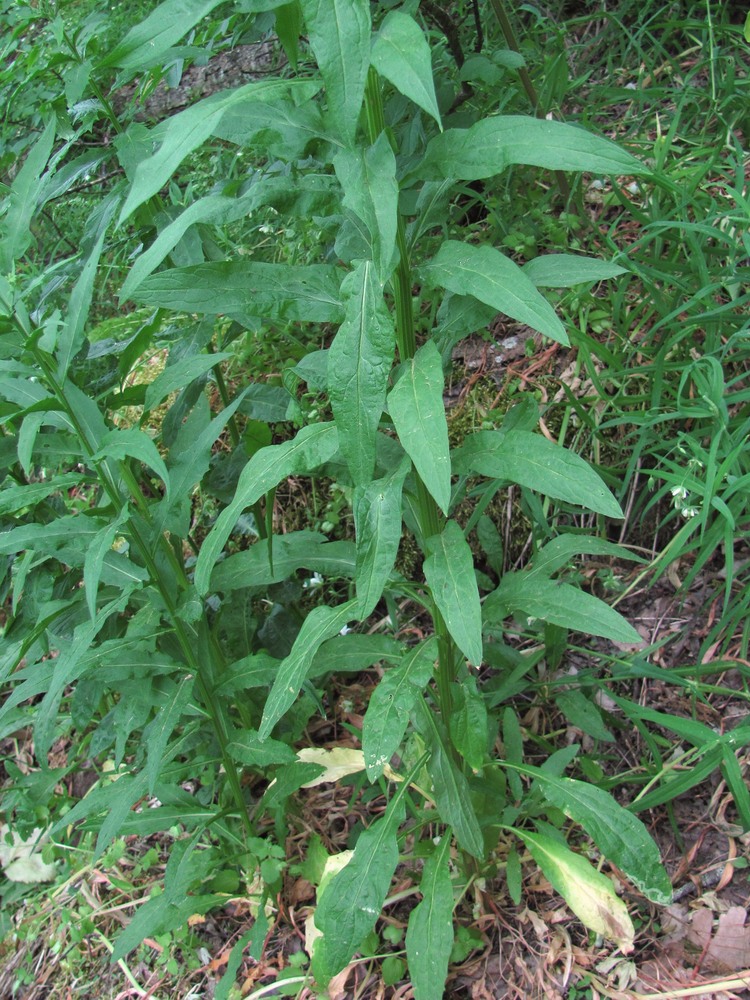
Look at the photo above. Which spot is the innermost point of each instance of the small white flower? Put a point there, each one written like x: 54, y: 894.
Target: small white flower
x: 679, y: 492
x: 345, y: 630
x: 689, y: 511
x: 316, y: 580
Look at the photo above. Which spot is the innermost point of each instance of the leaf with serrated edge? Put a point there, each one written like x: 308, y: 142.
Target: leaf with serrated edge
x: 497, y: 281
x: 416, y: 406
x: 429, y: 936
x: 449, y: 571
x: 359, y: 362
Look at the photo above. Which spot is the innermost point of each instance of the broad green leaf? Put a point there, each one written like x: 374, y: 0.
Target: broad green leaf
x: 145, y: 43
x: 429, y: 936
x: 391, y: 702
x: 559, y: 603
x: 377, y: 519
x: 354, y: 652
x: 296, y: 550
x: 619, y: 835
x: 416, y: 406
x: 339, y: 33
x: 492, y: 278
x: 449, y: 571
x: 589, y: 894
x: 180, y: 374
x: 562, y: 270
x: 493, y: 144
x: 401, y: 54
x: 247, y: 748
x: 186, y: 131
x: 322, y: 623
x: 313, y: 445
x: 72, y: 334
x: 368, y: 178
x: 288, y: 26
x: 536, y: 463
x: 351, y: 902
x: 300, y: 293
x: 561, y: 551
x: 15, y: 227
x: 359, y: 362
x: 131, y: 443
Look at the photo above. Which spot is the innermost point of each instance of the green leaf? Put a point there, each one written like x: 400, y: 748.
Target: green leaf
x: 72, y: 334
x: 562, y: 270
x: 322, y: 623
x: 493, y: 144
x: 296, y: 550
x: 401, y: 54
x: 416, y: 406
x: 351, y: 902
x: 559, y: 603
x: 22, y: 201
x: 619, y: 835
x: 156, y: 734
x: 359, y: 362
x: 16, y: 498
x: 288, y: 26
x: 94, y: 559
x: 589, y: 894
x: 561, y: 551
x: 468, y: 724
x: 131, y: 443
x: 368, y: 177
x: 300, y: 293
x: 353, y: 653
x: 145, y: 43
x: 186, y: 131
x: 339, y: 33
x: 247, y: 748
x: 495, y: 280
x: 377, y: 519
x: 582, y: 713
x: 536, y: 463
x: 449, y: 571
x: 429, y: 936
x: 313, y: 445
x: 391, y: 702
x: 180, y: 374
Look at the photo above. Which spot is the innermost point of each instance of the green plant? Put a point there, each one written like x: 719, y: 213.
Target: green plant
x: 152, y: 652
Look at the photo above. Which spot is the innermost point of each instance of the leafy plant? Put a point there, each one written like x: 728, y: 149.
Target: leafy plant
x: 153, y: 653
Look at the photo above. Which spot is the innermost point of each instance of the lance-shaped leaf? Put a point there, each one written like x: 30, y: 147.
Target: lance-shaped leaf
x: 538, y: 464
x: 322, y: 623
x: 189, y: 129
x: 368, y: 178
x: 149, y: 39
x: 495, y: 280
x: 449, y: 571
x: 391, y: 702
x: 132, y: 443
x: 415, y: 404
x: 429, y: 936
x: 619, y: 835
x: 359, y: 361
x: 22, y: 200
x: 72, y: 334
x: 272, y: 291
x: 351, y: 902
x: 401, y: 53
x: 377, y: 519
x: 339, y: 33
x: 589, y: 894
x: 493, y: 144
x: 564, y: 270
x: 247, y: 748
x: 559, y: 603
x: 313, y: 445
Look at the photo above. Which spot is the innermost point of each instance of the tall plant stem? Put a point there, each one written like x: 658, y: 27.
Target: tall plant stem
x: 430, y: 518
x: 511, y: 41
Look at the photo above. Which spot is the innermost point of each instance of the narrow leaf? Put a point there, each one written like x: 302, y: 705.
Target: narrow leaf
x: 497, y: 281
x: 22, y: 201
x: 401, y: 53
x: 72, y: 334
x: 145, y: 43
x: 313, y: 445
x: 359, y: 362
x: 156, y: 734
x: 377, y: 519
x: 429, y: 936
x: 247, y: 748
x: 322, y: 623
x: 180, y: 374
x: 536, y: 463
x: 132, y: 443
x: 449, y: 571
x: 493, y: 144
x: 339, y: 33
x: 561, y: 270
x: 416, y: 406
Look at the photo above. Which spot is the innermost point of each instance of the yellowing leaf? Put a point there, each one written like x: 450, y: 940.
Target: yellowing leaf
x: 337, y: 762
x: 22, y: 861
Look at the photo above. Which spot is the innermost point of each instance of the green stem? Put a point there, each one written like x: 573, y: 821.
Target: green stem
x: 430, y: 518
